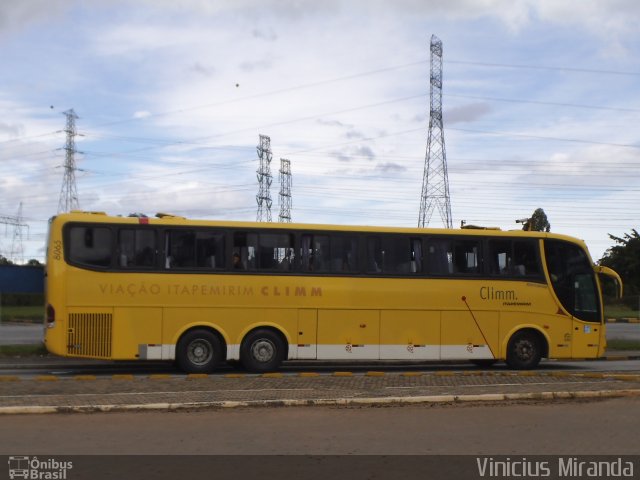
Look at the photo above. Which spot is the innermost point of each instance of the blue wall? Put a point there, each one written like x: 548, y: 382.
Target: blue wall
x: 21, y: 279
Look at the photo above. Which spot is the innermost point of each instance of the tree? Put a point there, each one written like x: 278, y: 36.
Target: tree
x: 5, y: 261
x: 624, y: 258
x: 34, y: 263
x: 538, y: 222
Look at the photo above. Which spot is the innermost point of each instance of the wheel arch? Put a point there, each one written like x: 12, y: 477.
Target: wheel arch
x: 542, y: 337
x: 207, y: 327
x: 272, y: 328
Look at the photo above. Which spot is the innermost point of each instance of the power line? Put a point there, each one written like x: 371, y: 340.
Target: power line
x: 542, y: 137
x: 543, y: 67
x: 540, y: 102
x: 30, y: 137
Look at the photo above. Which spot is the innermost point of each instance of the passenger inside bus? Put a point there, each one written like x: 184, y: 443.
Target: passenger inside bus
x: 237, y: 262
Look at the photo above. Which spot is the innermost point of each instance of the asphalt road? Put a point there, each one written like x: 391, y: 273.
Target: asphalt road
x: 623, y: 331
x: 20, y: 334
x: 607, y: 427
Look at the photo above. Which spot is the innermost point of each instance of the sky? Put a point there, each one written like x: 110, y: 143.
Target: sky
x: 541, y: 106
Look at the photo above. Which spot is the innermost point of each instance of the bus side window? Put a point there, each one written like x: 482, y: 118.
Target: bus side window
x: 394, y: 255
x: 344, y: 254
x: 194, y: 249
x: 90, y: 245
x: 375, y: 255
x: 314, y: 253
x: 180, y: 250
x: 245, y: 247
x: 439, y: 256
x: 276, y: 251
x: 500, y: 257
x: 416, y: 255
x: 466, y: 257
x: 210, y: 250
x: 525, y: 258
x: 136, y: 248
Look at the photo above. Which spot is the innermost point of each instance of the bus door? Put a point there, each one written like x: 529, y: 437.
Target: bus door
x: 575, y: 286
x: 588, y: 331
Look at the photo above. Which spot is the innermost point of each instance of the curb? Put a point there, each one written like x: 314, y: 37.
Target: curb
x: 68, y: 364
x: 347, y: 374
x: 430, y: 399
x: 614, y: 358
x: 337, y: 374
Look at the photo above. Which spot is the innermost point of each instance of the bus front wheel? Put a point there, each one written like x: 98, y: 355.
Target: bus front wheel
x: 262, y: 351
x: 199, y: 351
x: 524, y: 351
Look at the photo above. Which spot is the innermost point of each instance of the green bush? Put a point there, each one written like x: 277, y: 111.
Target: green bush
x: 631, y: 301
x: 22, y: 299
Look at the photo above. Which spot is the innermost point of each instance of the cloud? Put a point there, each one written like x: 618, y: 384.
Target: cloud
x: 251, y: 66
x: 265, y: 34
x: 354, y: 153
x: 332, y: 123
x: 200, y: 69
x: 15, y: 15
x: 349, y: 129
x: 391, y: 167
x: 613, y: 21
x: 288, y: 9
x: 11, y: 130
x: 142, y: 114
x: 365, y: 151
x: 465, y: 113
x: 354, y: 134
x: 131, y: 39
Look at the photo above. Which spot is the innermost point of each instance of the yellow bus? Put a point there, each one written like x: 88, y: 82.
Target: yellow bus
x: 202, y: 293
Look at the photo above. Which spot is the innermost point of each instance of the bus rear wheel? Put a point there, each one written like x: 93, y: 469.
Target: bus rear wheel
x: 262, y: 351
x: 199, y: 351
x: 524, y: 351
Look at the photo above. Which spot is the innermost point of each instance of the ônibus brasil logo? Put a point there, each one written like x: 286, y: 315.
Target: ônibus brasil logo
x: 32, y: 468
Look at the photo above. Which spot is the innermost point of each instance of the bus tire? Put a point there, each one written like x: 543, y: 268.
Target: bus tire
x: 262, y: 350
x: 524, y: 351
x: 199, y: 351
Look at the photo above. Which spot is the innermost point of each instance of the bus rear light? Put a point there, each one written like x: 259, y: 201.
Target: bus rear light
x: 51, y: 316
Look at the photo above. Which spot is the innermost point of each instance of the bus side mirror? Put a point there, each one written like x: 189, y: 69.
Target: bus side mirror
x: 612, y: 274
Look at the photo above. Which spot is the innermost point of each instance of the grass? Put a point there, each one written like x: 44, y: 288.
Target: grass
x: 619, y: 344
x: 31, y: 314
x: 619, y: 310
x: 22, y: 351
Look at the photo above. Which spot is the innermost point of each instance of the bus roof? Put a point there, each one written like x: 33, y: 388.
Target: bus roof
x: 164, y: 219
